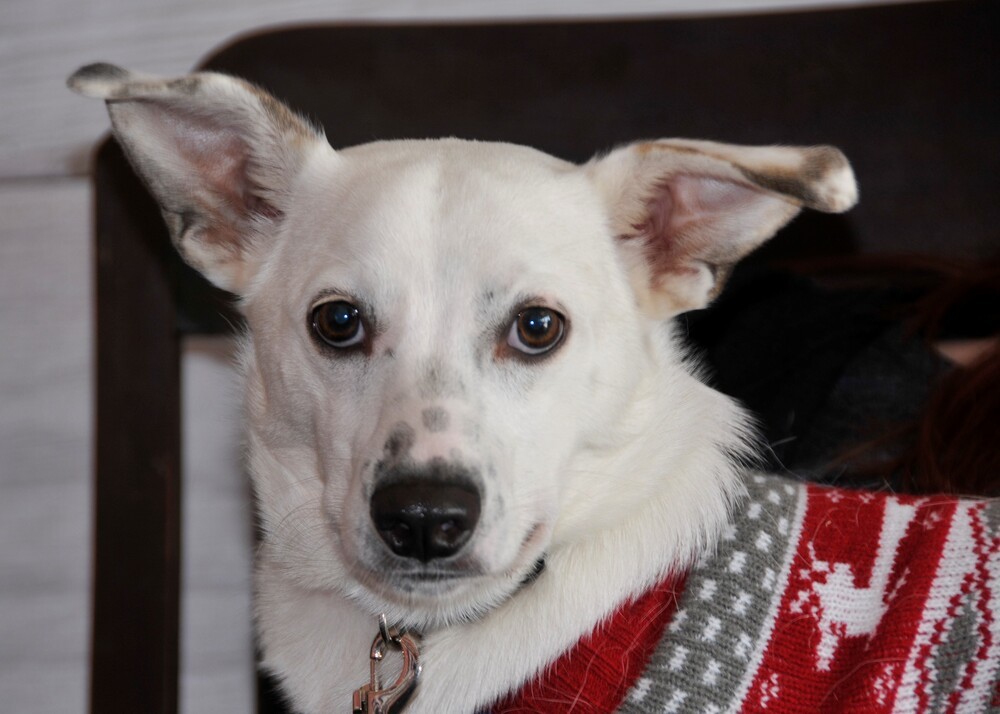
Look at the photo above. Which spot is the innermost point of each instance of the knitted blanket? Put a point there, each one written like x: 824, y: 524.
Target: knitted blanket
x: 816, y: 599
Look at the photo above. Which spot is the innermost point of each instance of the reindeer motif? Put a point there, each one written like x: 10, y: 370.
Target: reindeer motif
x: 841, y: 608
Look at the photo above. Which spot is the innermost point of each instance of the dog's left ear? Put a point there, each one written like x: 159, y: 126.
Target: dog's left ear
x: 218, y: 154
x: 684, y: 212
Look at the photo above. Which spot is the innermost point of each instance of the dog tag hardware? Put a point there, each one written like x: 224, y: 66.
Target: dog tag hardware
x: 372, y: 698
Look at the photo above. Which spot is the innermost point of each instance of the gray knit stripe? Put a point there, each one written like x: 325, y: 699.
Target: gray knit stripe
x: 963, y: 638
x: 991, y: 519
x: 708, y: 654
x: 959, y: 646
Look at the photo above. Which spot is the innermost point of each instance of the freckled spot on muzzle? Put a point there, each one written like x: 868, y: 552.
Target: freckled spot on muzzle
x: 400, y: 441
x: 436, y: 419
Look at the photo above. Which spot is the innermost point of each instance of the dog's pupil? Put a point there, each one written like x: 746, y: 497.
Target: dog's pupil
x: 343, y: 316
x: 536, y: 325
x: 337, y: 321
x: 343, y: 319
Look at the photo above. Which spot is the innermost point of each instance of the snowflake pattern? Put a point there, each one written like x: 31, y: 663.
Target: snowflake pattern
x: 702, y: 654
x: 770, y: 689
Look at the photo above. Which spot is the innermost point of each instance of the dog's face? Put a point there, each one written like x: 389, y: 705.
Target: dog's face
x: 441, y: 348
x: 444, y: 336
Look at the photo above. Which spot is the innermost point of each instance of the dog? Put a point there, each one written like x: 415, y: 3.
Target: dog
x: 467, y: 413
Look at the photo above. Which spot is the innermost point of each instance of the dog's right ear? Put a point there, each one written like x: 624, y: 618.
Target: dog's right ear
x: 684, y: 212
x: 218, y: 154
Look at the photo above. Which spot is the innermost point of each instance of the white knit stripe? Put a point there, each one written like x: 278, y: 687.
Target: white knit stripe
x: 764, y: 637
x: 953, y: 564
x: 988, y: 670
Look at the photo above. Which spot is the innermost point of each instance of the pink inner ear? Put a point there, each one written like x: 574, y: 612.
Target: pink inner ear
x: 694, y: 218
x: 217, y: 158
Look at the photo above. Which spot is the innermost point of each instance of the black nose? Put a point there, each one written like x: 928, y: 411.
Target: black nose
x: 425, y: 520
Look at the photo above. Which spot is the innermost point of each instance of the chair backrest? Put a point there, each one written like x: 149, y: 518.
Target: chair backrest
x: 910, y: 92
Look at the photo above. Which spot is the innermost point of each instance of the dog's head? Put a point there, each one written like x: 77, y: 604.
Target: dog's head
x: 451, y: 345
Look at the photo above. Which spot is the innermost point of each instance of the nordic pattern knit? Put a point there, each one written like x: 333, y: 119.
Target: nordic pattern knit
x: 816, y: 599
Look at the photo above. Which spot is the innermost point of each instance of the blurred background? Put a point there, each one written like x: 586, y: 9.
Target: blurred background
x: 47, y: 136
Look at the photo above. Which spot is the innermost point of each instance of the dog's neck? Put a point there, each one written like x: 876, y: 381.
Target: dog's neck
x: 681, y: 472
x: 659, y: 450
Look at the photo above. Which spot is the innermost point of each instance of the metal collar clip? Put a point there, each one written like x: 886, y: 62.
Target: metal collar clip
x: 373, y: 698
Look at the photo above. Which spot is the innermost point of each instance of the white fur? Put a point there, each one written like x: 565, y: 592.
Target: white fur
x: 609, y: 457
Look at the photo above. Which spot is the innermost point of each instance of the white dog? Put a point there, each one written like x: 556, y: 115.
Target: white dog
x: 459, y: 368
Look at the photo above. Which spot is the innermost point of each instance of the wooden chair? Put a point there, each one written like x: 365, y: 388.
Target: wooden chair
x: 910, y: 92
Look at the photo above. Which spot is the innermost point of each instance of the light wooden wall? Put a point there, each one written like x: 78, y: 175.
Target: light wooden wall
x: 46, y: 137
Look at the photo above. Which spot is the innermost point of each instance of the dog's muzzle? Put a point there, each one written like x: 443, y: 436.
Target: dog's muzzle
x: 425, y: 521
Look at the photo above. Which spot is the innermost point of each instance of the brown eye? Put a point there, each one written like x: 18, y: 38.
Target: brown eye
x: 536, y: 330
x: 338, y: 323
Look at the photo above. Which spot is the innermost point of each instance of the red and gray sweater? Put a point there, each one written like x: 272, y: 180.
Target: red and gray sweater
x: 816, y: 599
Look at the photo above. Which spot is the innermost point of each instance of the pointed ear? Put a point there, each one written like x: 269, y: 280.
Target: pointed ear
x: 683, y: 212
x: 218, y: 155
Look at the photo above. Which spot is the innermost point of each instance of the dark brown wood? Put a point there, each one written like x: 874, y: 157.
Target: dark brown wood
x: 137, y: 485
x: 910, y: 92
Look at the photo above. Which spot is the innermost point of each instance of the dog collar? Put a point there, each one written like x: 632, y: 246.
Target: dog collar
x: 376, y: 698
x: 531, y: 577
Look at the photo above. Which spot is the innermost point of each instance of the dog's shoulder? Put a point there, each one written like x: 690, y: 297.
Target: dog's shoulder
x: 817, y: 592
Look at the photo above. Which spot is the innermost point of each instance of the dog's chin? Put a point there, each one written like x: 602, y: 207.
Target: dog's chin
x: 425, y: 604
x: 427, y: 598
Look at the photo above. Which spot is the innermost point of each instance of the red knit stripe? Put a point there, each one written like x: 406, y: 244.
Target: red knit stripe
x: 800, y: 670
x: 981, y: 577
x: 596, y: 673
x: 924, y: 655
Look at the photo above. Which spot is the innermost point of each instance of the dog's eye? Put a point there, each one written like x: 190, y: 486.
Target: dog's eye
x: 536, y: 330
x: 338, y: 323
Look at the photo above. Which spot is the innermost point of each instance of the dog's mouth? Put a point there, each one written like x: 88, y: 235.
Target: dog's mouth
x: 429, y: 583
x: 435, y: 577
x: 465, y: 574
x: 438, y: 573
